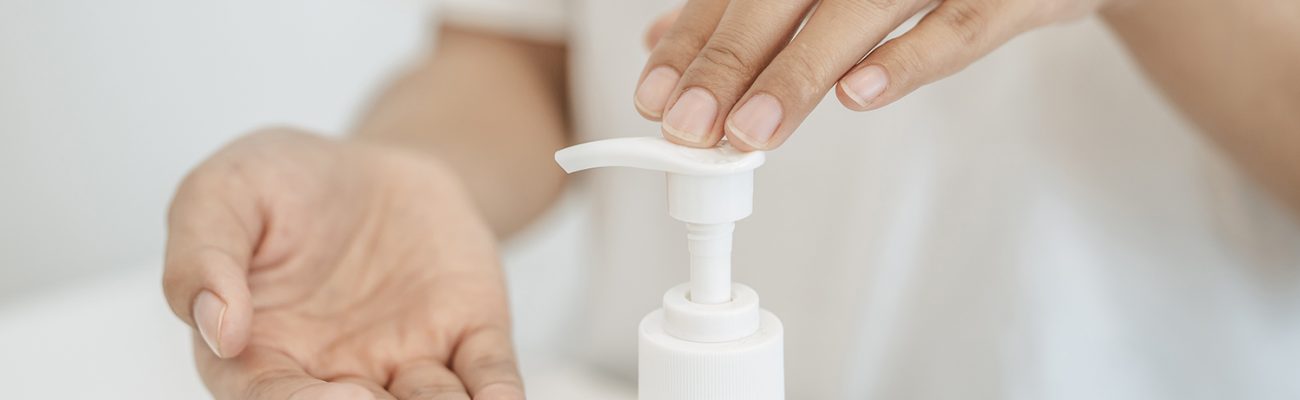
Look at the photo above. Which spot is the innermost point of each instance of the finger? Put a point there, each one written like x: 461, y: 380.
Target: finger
x: 427, y: 380
x: 673, y: 52
x: 260, y: 374
x: 212, y: 229
x: 375, y: 389
x: 485, y: 361
x: 948, y: 39
x: 835, y: 37
x: 660, y: 26
x: 748, y: 36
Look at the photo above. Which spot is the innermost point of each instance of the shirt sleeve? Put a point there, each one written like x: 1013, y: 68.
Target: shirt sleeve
x: 541, y: 20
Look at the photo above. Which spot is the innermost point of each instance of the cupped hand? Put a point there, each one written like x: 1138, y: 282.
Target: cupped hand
x: 321, y: 269
x: 737, y: 68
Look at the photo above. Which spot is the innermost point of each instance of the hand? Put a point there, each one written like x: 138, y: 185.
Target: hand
x: 321, y: 269
x: 730, y: 67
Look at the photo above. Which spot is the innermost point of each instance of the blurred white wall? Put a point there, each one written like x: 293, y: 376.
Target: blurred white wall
x: 103, y: 108
x: 104, y: 105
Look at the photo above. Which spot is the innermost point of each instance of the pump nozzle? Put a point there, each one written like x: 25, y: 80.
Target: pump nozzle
x: 708, y: 188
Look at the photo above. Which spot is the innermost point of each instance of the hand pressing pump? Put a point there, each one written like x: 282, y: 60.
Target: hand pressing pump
x: 710, y: 341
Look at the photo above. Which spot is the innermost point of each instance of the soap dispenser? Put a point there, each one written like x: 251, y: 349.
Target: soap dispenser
x: 710, y: 340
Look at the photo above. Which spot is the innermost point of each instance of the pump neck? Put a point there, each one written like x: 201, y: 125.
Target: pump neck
x: 710, y: 249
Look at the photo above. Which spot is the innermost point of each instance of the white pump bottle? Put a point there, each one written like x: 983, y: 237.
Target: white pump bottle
x: 710, y: 341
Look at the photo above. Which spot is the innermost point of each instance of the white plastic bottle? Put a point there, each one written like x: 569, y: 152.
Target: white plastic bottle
x: 710, y: 341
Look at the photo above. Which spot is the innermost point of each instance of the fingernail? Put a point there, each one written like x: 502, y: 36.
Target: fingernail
x: 209, y: 312
x: 653, y: 93
x: 864, y: 85
x: 757, y: 120
x: 691, y: 118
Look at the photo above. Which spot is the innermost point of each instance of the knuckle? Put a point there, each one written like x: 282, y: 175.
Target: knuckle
x: 969, y: 21
x: 725, y: 60
x: 802, y: 81
x: 904, y: 60
x: 731, y: 52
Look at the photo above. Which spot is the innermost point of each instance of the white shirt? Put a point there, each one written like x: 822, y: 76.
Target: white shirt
x: 1041, y: 225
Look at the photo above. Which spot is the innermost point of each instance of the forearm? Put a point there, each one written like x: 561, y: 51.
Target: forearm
x: 492, y: 109
x: 1233, y: 67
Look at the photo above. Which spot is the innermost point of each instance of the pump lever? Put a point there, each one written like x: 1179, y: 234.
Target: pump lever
x: 658, y: 154
x: 709, y: 189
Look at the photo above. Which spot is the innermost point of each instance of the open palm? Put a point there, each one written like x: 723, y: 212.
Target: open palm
x: 319, y: 269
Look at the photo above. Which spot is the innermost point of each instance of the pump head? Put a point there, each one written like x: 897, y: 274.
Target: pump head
x: 708, y: 188
x: 705, y: 186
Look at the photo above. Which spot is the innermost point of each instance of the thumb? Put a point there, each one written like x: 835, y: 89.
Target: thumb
x: 213, y: 227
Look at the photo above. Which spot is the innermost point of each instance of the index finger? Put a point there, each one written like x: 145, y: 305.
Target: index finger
x: 212, y: 229
x: 838, y: 34
x: 674, y: 49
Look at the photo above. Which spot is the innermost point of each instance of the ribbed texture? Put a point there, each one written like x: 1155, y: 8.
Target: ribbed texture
x: 748, y: 369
